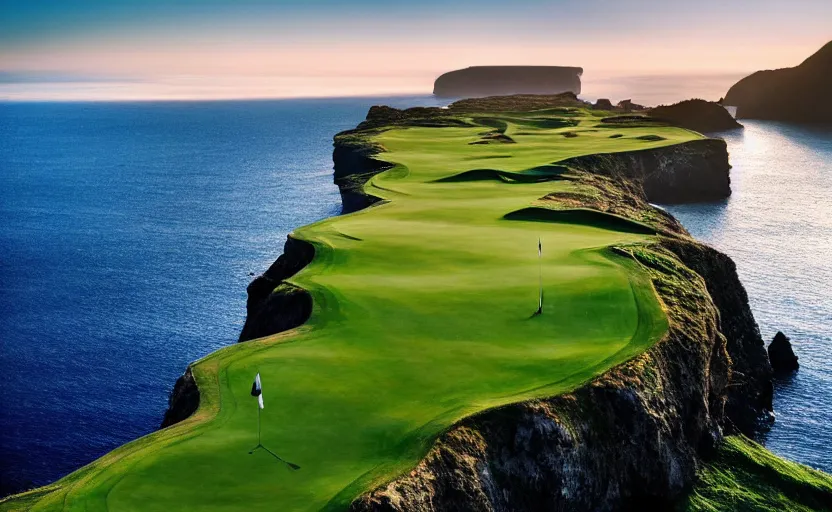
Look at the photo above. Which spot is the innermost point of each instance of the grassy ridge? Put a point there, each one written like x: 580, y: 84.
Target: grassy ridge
x: 422, y: 316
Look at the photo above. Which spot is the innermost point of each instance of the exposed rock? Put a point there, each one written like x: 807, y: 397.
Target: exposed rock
x: 781, y: 355
x: 183, y: 400
x: 690, y: 172
x: 698, y: 115
x: 800, y: 94
x: 477, y: 81
x: 603, y: 104
x: 750, y: 396
x: 629, y: 106
x: 273, y: 305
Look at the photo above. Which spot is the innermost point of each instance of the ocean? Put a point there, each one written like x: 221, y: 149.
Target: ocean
x: 777, y: 227
x: 129, y: 232
x: 128, y: 235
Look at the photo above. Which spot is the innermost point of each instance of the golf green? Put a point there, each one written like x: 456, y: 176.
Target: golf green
x: 423, y: 314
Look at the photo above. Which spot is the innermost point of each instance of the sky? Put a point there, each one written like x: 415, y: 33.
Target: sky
x: 154, y: 49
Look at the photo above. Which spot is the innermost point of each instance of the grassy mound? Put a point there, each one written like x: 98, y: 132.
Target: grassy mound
x: 536, y: 175
x: 422, y: 316
x: 580, y: 217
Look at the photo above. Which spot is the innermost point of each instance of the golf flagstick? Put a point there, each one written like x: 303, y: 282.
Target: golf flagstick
x: 257, y: 391
x: 540, y: 275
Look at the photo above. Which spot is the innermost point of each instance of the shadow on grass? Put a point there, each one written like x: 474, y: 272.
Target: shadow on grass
x: 583, y: 217
x: 533, y: 175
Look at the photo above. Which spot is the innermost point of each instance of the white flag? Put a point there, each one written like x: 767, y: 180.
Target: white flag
x: 257, y: 390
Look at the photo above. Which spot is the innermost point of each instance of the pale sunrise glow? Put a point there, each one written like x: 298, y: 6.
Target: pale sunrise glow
x: 292, y: 49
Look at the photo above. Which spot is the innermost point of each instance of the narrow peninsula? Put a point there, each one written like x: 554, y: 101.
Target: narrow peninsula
x: 405, y: 364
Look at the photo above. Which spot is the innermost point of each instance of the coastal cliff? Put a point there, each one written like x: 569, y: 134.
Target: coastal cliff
x: 695, y: 171
x: 477, y: 81
x: 799, y: 94
x: 637, y: 434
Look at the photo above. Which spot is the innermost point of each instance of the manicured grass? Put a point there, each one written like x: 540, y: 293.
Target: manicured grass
x: 422, y: 316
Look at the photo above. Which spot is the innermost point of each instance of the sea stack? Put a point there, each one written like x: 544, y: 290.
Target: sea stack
x: 781, y: 355
x: 481, y: 81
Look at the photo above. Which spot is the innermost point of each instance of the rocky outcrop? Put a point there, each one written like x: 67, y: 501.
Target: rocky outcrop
x: 274, y: 305
x: 353, y: 166
x: 799, y: 94
x: 781, y: 354
x: 697, y: 115
x: 694, y: 171
x: 751, y: 388
x: 603, y: 104
x: 629, y: 106
x: 183, y: 400
x: 478, y: 81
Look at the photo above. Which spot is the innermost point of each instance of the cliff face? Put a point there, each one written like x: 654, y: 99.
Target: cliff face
x: 479, y: 81
x: 274, y: 305
x: 800, y: 94
x: 694, y: 171
x: 183, y: 400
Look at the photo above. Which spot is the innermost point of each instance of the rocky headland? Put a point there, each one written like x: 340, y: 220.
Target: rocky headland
x: 799, y: 94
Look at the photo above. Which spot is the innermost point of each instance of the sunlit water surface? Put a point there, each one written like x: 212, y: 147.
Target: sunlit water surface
x: 777, y: 226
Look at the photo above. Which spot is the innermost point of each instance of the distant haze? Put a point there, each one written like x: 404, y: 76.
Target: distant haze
x: 99, y: 50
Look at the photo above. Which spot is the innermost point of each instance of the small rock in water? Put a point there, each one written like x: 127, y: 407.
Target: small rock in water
x: 781, y: 355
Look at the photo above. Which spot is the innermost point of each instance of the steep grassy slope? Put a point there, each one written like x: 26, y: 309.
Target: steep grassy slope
x: 423, y: 315
x: 745, y: 476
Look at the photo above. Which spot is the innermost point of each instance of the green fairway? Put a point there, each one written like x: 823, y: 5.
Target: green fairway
x: 423, y: 314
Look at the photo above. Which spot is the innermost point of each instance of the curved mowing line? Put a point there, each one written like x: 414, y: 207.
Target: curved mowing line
x: 421, y: 317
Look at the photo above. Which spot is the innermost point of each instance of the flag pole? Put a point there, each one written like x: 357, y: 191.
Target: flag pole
x: 540, y: 275
x: 258, y: 425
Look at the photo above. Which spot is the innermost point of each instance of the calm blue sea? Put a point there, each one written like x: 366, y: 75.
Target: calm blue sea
x: 128, y: 233
x: 777, y: 226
